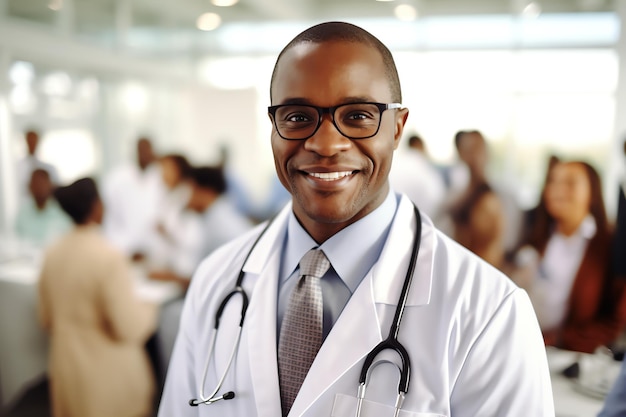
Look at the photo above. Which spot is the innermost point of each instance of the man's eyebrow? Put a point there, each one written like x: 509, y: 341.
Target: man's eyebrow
x: 297, y: 100
x: 345, y: 100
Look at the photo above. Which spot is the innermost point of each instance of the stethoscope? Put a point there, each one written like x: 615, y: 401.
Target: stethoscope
x: 390, y: 343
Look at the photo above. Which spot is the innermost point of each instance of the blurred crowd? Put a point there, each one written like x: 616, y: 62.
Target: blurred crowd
x: 564, y: 252
x: 166, y: 214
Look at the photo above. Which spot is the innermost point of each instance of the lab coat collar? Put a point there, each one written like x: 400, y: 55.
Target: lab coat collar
x: 389, y: 272
x: 262, y: 270
x: 271, y: 241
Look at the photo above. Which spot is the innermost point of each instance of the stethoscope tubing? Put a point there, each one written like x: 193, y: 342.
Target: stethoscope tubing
x: 238, y: 290
x: 392, y: 342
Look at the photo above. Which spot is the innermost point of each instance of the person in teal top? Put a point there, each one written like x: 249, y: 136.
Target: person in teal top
x: 40, y: 219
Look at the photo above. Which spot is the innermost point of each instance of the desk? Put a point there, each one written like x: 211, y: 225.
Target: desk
x: 24, y: 345
x: 569, y: 401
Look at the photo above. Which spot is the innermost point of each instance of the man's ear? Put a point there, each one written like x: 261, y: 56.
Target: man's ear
x: 401, y: 117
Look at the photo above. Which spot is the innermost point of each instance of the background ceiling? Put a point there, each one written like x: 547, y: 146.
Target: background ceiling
x: 161, y: 36
x: 104, y: 17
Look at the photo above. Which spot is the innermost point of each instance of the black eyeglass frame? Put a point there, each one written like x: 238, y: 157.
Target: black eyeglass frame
x: 331, y: 110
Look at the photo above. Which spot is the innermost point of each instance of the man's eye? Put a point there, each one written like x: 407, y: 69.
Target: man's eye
x: 358, y: 116
x: 298, y: 118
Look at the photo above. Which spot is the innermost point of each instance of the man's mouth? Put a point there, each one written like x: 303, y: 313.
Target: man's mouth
x: 330, y: 176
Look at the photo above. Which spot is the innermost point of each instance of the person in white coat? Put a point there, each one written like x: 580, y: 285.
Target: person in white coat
x: 473, y: 341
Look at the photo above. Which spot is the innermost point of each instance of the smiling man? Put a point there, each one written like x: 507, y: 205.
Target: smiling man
x: 345, y: 264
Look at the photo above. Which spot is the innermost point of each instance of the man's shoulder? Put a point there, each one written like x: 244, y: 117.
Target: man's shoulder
x: 466, y: 275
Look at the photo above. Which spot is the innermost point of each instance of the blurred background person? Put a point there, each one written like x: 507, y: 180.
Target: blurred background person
x: 174, y: 229
x: 413, y: 173
x: 132, y: 194
x: 221, y: 222
x: 466, y: 176
x: 479, y: 223
x: 237, y: 189
x: 218, y: 221
x: 529, y: 216
x: 97, y: 363
x: 619, y: 242
x: 31, y: 162
x: 566, y: 262
x: 40, y: 219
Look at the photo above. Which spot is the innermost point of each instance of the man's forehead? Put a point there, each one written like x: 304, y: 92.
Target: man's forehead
x: 343, y: 67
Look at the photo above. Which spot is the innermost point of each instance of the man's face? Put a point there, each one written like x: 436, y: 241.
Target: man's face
x: 144, y: 153
x: 40, y: 187
x: 329, y: 74
x: 473, y: 151
x: 32, y: 140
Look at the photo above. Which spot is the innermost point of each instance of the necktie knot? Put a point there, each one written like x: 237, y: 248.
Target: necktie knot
x: 314, y: 263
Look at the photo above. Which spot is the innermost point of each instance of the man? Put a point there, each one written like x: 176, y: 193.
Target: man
x: 472, y: 339
x: 216, y: 220
x: 471, y: 172
x: 132, y: 195
x: 31, y: 162
x: 40, y: 219
x: 414, y: 174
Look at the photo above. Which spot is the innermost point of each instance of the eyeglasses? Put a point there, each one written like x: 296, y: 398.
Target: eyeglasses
x: 352, y: 120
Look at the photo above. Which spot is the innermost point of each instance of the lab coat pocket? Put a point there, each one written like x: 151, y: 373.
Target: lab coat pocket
x: 345, y: 406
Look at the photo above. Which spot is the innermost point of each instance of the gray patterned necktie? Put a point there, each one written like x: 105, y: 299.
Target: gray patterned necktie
x: 301, y: 330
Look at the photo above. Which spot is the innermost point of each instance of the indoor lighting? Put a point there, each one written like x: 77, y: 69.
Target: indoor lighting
x: 224, y: 3
x: 405, y: 12
x: 209, y: 21
x: 55, y: 5
x: 532, y: 10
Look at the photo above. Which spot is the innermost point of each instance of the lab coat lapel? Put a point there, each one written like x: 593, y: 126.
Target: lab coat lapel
x: 355, y: 333
x: 262, y: 271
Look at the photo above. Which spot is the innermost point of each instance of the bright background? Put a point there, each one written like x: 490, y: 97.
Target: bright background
x: 533, y: 83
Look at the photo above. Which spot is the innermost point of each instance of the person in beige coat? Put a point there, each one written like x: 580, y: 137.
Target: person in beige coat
x: 98, y: 366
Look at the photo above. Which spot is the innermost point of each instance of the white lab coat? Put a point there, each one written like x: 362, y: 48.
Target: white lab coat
x: 474, y: 342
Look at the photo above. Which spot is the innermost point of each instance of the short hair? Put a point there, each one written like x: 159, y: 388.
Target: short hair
x: 40, y: 172
x: 210, y: 177
x: 415, y: 140
x: 346, y: 32
x: 78, y: 198
x: 183, y: 165
x: 459, y: 135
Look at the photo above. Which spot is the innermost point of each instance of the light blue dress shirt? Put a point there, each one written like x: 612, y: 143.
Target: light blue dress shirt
x: 40, y: 227
x: 352, y: 252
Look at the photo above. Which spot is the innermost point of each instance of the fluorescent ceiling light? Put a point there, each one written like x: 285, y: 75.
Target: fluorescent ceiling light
x: 224, y: 3
x: 405, y: 12
x: 209, y: 21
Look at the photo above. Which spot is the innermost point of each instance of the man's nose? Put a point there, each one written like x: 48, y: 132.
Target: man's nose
x: 328, y: 140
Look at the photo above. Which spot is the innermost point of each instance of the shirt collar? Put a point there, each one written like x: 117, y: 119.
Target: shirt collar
x: 353, y: 260
x: 586, y: 230
x: 588, y: 227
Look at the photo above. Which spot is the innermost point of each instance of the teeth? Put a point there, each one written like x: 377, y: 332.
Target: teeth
x: 330, y: 176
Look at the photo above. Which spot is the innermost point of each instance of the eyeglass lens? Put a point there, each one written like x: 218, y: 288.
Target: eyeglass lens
x: 354, y: 120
